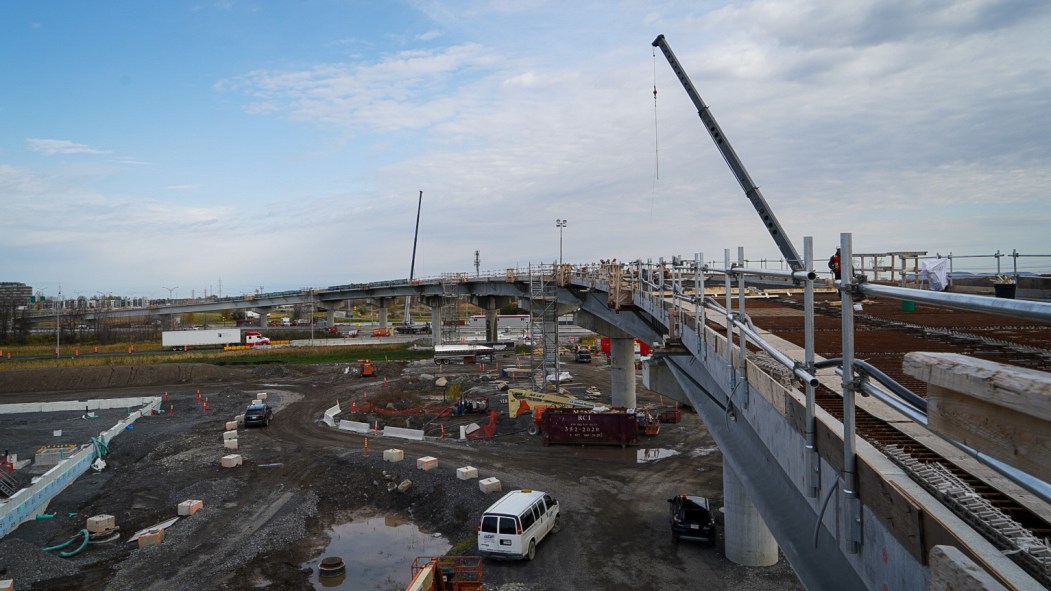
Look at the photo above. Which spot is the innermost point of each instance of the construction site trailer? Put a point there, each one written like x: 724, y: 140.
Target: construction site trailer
x: 462, y: 354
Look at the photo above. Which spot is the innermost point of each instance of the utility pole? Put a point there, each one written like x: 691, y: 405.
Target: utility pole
x: 58, y: 323
x: 477, y: 262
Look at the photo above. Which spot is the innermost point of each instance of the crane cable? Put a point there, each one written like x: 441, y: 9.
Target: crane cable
x: 656, y: 138
x: 656, y: 143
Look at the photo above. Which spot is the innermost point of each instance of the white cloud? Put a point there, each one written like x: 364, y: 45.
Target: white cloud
x: 53, y: 147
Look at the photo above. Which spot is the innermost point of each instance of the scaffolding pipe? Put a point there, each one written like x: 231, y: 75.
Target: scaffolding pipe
x: 1017, y: 308
x: 814, y: 465
x: 801, y: 275
x: 850, y: 490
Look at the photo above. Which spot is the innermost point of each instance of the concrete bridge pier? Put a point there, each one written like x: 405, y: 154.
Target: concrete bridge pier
x: 622, y: 356
x: 382, y: 312
x: 491, y: 305
x: 330, y: 317
x: 622, y: 371
x: 748, y: 541
x: 435, y: 303
x: 436, y: 325
x: 264, y: 316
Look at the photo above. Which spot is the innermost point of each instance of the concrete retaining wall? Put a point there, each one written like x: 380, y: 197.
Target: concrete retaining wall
x: 77, y: 405
x: 33, y: 500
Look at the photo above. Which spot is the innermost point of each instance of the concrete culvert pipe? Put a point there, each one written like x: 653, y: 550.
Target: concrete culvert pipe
x: 331, y: 566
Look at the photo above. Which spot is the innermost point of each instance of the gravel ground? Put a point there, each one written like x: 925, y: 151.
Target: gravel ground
x: 263, y: 521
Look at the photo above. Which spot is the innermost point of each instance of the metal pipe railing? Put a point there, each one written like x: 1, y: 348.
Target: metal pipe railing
x: 1020, y: 308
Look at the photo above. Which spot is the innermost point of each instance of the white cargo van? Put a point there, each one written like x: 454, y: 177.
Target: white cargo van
x: 514, y: 525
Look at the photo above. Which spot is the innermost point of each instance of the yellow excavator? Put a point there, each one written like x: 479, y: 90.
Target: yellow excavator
x: 521, y: 401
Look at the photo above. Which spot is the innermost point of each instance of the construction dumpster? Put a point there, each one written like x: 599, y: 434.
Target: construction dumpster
x: 589, y: 427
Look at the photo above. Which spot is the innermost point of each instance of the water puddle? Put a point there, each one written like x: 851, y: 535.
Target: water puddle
x: 653, y: 455
x: 703, y: 451
x: 378, y: 552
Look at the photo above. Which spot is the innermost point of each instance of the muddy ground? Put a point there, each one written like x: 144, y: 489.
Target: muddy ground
x: 264, y: 523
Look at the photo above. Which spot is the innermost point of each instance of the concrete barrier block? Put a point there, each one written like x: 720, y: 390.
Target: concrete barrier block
x: 151, y: 538
x: 230, y: 443
x: 260, y: 396
x: 256, y: 401
x: 240, y: 420
x: 488, y: 485
x: 393, y: 455
x: 231, y: 425
x: 403, y: 433
x: 101, y: 523
x: 231, y: 460
x: 227, y: 435
x: 427, y: 463
x: 355, y: 426
x: 190, y: 507
x: 7, y: 584
x: 467, y: 473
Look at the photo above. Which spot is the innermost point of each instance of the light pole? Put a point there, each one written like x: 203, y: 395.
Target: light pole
x: 560, y: 224
x: 58, y: 324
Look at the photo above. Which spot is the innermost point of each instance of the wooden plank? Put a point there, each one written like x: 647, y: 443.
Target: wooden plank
x: 1025, y: 390
x: 898, y: 512
x: 1016, y: 438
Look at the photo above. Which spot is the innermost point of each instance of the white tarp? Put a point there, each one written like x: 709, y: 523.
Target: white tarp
x: 935, y: 272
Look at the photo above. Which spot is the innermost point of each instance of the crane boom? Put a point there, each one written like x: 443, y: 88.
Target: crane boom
x: 736, y: 166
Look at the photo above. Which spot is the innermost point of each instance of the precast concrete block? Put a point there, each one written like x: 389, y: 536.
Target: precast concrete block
x: 231, y: 460
x: 426, y: 463
x: 256, y: 401
x: 260, y: 396
x: 151, y: 538
x: 101, y: 523
x: 467, y: 473
x: 230, y: 443
x: 393, y: 455
x: 190, y: 507
x: 231, y: 425
x: 240, y: 420
x: 7, y: 584
x: 491, y: 484
x: 228, y: 435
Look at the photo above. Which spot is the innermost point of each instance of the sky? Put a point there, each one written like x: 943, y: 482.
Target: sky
x: 227, y: 147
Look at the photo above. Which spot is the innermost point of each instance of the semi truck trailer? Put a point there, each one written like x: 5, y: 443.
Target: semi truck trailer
x: 185, y: 339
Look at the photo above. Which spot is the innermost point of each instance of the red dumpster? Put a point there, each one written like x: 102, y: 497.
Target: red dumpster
x: 586, y: 426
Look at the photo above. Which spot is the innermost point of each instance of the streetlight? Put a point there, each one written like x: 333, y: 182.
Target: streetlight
x: 58, y: 324
x: 560, y: 224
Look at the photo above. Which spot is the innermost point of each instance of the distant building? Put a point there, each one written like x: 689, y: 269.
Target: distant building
x: 15, y: 294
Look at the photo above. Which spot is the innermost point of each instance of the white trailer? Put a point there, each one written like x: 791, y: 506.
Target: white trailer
x: 462, y: 354
x: 178, y: 339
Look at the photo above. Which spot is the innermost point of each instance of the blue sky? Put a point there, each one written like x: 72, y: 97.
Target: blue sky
x: 284, y: 144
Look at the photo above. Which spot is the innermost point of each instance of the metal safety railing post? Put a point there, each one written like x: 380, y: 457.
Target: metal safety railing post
x: 742, y: 360
x: 813, y: 459
x: 852, y: 503
x: 729, y: 322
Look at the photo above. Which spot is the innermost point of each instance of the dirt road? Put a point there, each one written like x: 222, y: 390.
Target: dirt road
x: 265, y: 520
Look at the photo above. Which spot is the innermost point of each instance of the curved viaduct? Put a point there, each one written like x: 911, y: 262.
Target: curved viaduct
x: 846, y: 513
